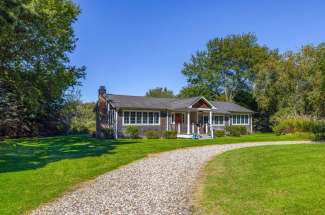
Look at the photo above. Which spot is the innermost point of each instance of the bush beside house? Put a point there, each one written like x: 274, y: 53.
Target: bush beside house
x: 108, y: 133
x: 219, y: 133
x: 152, y: 134
x: 235, y: 130
x: 170, y: 134
x: 132, y: 131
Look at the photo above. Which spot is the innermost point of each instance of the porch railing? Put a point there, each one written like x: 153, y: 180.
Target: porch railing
x: 181, y: 128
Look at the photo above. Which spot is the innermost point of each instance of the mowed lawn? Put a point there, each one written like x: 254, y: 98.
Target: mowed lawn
x: 288, y: 179
x: 35, y: 171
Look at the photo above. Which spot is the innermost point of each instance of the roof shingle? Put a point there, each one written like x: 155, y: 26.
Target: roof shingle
x: 144, y: 102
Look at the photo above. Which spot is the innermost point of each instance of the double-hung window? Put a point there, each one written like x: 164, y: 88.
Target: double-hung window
x: 150, y: 117
x: 240, y: 119
x: 144, y: 118
x: 126, y: 117
x: 141, y: 118
x: 132, y: 118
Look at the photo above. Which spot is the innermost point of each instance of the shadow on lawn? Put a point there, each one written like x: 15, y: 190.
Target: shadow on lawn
x: 24, y: 154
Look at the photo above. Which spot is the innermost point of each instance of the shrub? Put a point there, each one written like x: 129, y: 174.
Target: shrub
x: 293, y: 125
x: 233, y: 130
x: 242, y: 129
x: 318, y: 129
x: 219, y: 133
x: 152, y: 134
x: 108, y: 133
x: 170, y: 134
x: 132, y: 131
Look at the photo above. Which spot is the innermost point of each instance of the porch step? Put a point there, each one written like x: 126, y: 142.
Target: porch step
x: 190, y: 136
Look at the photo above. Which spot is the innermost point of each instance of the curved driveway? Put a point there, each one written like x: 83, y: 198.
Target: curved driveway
x: 159, y: 184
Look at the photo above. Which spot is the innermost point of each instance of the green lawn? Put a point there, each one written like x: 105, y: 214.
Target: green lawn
x: 288, y: 179
x: 34, y: 171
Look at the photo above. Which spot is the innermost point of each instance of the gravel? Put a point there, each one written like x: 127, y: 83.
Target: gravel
x: 159, y: 184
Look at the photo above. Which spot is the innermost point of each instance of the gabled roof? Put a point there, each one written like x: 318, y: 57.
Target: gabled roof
x: 145, y: 102
x: 183, y: 103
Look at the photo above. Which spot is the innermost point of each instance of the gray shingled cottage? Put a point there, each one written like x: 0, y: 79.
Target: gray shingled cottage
x: 186, y: 116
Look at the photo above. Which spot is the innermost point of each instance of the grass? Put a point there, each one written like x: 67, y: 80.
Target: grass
x: 36, y: 170
x: 288, y: 179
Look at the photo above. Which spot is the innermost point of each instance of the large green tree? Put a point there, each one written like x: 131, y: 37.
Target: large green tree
x: 225, y: 68
x: 36, y: 37
x: 292, y: 85
x: 161, y: 92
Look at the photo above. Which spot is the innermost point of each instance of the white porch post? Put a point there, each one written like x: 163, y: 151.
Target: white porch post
x: 116, y: 132
x: 193, y: 127
x: 167, y: 120
x: 188, y: 122
x: 210, y: 121
x: 197, y: 122
x: 178, y: 128
x: 251, y: 120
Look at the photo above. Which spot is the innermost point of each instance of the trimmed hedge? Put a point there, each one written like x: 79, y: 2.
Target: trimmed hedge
x: 235, y: 130
x: 152, y: 134
x: 132, y: 131
x: 219, y: 133
x: 170, y: 134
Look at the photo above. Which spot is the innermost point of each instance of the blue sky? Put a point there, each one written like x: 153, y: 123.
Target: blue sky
x: 131, y: 46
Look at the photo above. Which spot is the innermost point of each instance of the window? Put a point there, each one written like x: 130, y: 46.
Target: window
x: 218, y: 120
x: 126, y: 117
x: 141, y: 118
x: 150, y: 118
x: 132, y: 118
x: 145, y: 118
x: 240, y: 120
x: 205, y: 119
x: 246, y: 119
x: 156, y: 118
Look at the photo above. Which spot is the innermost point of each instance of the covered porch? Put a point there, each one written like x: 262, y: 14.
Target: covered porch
x: 189, y: 122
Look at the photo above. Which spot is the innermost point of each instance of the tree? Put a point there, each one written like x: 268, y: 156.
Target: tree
x: 160, y: 92
x: 226, y: 67
x: 84, y: 119
x: 292, y: 84
x: 35, y: 72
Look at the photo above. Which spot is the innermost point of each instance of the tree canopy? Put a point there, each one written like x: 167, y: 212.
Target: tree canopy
x: 226, y: 67
x: 36, y: 37
x: 161, y: 92
x: 293, y: 83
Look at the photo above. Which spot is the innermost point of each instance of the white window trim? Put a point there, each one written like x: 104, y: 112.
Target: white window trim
x: 232, y: 121
x: 223, y: 121
x: 147, y: 111
x: 172, y: 118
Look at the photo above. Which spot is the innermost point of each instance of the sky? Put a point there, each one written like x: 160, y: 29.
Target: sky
x: 130, y: 46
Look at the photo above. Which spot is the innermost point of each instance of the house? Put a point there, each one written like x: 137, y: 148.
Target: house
x: 188, y: 116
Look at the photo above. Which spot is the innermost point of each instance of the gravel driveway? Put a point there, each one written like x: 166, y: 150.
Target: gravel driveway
x: 159, y: 184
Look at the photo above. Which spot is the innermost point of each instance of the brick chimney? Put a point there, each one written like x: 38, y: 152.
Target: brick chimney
x: 101, y: 112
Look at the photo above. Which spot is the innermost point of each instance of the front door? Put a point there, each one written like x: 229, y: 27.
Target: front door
x: 178, y: 118
x: 203, y: 121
